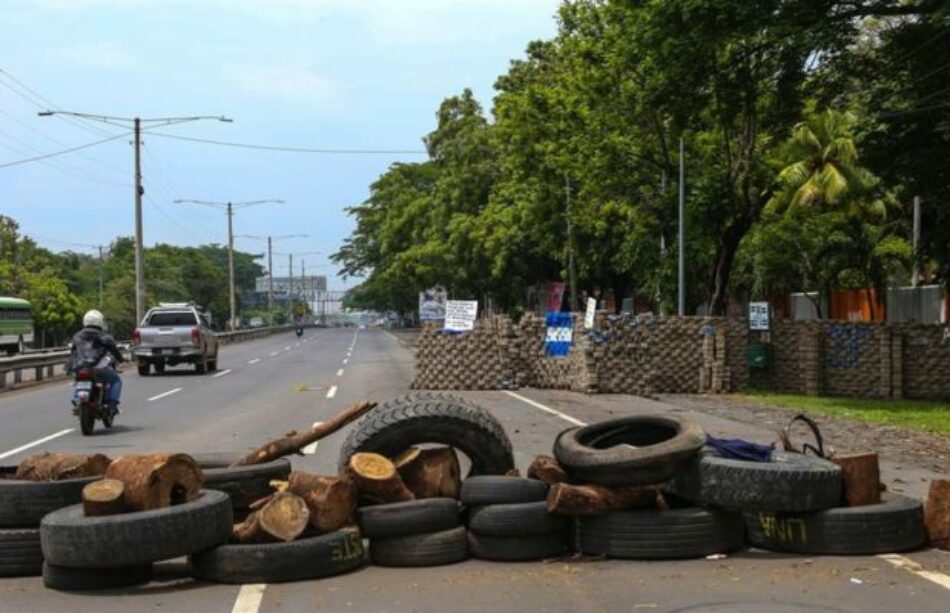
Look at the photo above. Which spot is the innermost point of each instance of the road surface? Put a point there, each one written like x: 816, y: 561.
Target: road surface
x: 269, y: 386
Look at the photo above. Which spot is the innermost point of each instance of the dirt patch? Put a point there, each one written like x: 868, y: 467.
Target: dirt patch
x: 910, y: 447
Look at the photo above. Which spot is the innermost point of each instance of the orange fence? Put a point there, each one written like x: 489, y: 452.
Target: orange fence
x: 855, y: 305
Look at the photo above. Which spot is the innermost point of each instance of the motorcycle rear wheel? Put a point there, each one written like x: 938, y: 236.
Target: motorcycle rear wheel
x: 87, y: 420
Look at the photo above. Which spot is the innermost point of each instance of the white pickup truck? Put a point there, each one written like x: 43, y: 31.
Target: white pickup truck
x: 175, y: 333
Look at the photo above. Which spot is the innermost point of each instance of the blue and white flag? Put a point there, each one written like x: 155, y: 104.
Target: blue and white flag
x: 560, y: 333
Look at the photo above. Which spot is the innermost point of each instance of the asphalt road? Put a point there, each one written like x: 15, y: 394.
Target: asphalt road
x: 270, y: 386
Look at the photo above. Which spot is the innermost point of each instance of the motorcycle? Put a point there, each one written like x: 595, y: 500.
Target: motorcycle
x: 89, y: 401
x: 299, y: 330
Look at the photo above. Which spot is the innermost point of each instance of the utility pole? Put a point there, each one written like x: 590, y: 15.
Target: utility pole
x: 229, y: 210
x: 571, y: 270
x: 270, y: 280
x: 100, y: 277
x: 290, y: 283
x: 681, y: 302
x: 915, y: 277
x: 136, y: 124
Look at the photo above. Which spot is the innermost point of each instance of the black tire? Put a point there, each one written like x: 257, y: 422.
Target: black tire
x: 87, y: 420
x: 130, y: 539
x: 308, y: 558
x: 650, y: 534
x: 895, y: 524
x: 159, y: 367
x: 789, y: 482
x: 243, y: 484
x: 523, y: 519
x: 638, y: 450
x: 519, y: 548
x: 391, y: 428
x: 489, y: 489
x: 84, y: 579
x: 107, y: 419
x: 20, y: 552
x: 213, y: 363
x: 143, y: 368
x: 432, y: 549
x: 201, y: 365
x: 24, y: 503
x: 407, y: 518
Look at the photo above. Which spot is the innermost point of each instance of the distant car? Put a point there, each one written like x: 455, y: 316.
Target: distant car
x: 16, y: 325
x: 175, y: 333
x: 257, y: 322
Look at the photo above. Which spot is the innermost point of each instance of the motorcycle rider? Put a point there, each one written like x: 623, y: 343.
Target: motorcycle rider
x: 93, y: 348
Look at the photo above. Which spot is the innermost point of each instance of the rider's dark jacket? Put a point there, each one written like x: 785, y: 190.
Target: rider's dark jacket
x: 90, y: 345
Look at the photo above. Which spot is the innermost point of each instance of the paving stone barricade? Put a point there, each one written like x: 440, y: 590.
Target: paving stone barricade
x: 648, y: 355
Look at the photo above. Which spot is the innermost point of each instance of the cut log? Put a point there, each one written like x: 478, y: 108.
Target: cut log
x: 331, y: 500
x: 293, y: 442
x: 937, y: 514
x: 430, y: 473
x: 103, y: 497
x: 860, y: 479
x: 377, y: 478
x: 566, y: 499
x: 157, y: 480
x: 547, y: 469
x: 57, y: 466
x: 283, y: 518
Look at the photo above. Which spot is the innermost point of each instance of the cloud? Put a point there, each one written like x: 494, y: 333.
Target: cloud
x: 104, y: 56
x: 286, y: 82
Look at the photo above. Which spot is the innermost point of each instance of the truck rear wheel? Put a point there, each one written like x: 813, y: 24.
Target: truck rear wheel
x: 143, y: 368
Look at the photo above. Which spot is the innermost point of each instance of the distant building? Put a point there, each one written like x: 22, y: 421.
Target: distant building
x: 302, y: 286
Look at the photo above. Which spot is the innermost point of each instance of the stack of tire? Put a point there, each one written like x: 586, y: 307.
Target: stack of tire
x: 508, y: 520
x: 243, y: 484
x: 426, y: 532
x: 641, y: 451
x: 793, y: 504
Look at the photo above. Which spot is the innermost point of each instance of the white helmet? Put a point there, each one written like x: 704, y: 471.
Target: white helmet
x: 93, y: 319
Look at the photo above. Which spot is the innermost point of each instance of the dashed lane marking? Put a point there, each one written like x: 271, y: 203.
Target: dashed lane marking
x: 312, y: 447
x: 345, y: 360
x: 331, y: 392
x: 339, y: 373
x: 287, y: 348
x: 254, y: 361
x: 164, y: 394
x: 546, y: 409
x: 40, y: 441
x: 249, y: 598
x: 909, y: 565
x: 273, y: 353
x: 227, y: 371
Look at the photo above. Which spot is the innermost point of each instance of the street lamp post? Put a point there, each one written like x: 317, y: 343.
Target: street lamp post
x: 270, y: 263
x: 136, y: 124
x: 229, y: 208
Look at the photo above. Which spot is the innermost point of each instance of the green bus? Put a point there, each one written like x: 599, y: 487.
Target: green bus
x: 16, y: 325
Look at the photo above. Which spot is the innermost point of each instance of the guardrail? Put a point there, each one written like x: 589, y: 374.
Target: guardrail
x: 45, y: 363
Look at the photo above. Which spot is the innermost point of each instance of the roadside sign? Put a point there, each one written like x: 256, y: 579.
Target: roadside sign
x: 759, y: 316
x: 460, y: 315
x: 559, y: 333
x: 432, y: 304
x: 591, y: 311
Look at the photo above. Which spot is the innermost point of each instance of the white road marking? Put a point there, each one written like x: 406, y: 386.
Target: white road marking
x: 7, y: 454
x: 222, y: 373
x: 312, y: 447
x: 273, y: 353
x: 254, y: 361
x: 168, y: 393
x: 345, y: 360
x: 538, y: 405
x: 339, y: 373
x: 909, y: 565
x: 287, y: 348
x: 331, y: 392
x: 249, y: 598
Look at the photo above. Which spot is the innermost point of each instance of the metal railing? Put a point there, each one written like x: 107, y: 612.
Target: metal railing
x: 45, y: 363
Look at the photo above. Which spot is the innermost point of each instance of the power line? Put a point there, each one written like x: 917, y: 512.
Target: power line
x: 291, y: 149
x: 47, y: 103
x: 26, y: 148
x: 64, y: 151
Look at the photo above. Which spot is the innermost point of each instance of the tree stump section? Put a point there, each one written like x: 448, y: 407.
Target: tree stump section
x: 566, y: 499
x: 283, y: 518
x: 860, y: 479
x: 57, y: 466
x: 937, y: 514
x: 157, y: 480
x: 430, y: 473
x: 103, y: 497
x: 377, y: 478
x: 547, y: 469
x: 330, y: 500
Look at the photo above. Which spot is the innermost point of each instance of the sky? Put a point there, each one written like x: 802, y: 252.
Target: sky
x: 320, y: 74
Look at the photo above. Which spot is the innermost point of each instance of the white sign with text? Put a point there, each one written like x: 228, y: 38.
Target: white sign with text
x: 460, y: 315
x: 591, y: 311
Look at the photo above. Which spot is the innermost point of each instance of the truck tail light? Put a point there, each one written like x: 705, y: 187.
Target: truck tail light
x: 196, y: 335
x: 137, y: 337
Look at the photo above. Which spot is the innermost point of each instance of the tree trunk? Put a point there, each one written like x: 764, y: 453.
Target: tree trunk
x: 725, y: 255
x: 547, y: 469
x: 331, y: 500
x: 430, y: 473
x: 293, y: 442
x: 157, y: 480
x: 283, y: 518
x: 860, y: 479
x: 566, y: 499
x: 104, y: 497
x: 56, y: 466
x: 377, y: 479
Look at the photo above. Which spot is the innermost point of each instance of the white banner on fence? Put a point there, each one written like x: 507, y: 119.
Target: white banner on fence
x: 759, y: 316
x: 460, y: 315
x: 591, y: 311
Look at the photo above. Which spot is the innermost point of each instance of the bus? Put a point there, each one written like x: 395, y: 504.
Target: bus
x: 16, y: 325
